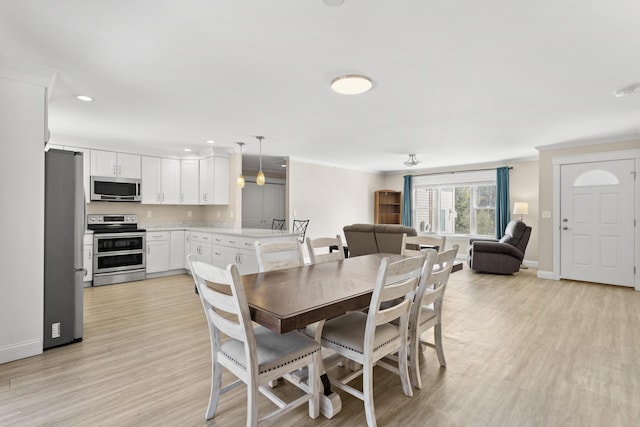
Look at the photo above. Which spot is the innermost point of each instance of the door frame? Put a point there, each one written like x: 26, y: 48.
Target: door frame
x: 559, y: 161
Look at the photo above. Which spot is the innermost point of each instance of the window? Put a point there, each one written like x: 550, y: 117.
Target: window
x: 463, y: 203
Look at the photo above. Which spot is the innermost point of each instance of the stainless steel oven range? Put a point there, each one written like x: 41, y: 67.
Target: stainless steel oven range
x: 118, y: 249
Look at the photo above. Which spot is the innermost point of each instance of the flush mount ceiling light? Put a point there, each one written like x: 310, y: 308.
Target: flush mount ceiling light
x: 240, y: 180
x: 628, y: 90
x: 412, y: 161
x: 333, y: 2
x: 84, y: 98
x: 210, y: 141
x: 351, y: 84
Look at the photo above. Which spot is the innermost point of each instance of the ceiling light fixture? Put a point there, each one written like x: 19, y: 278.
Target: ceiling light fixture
x: 412, y: 161
x: 84, y: 98
x: 210, y: 141
x: 260, y: 177
x: 240, y: 180
x: 187, y: 149
x: 333, y: 2
x: 351, y: 84
x: 628, y: 90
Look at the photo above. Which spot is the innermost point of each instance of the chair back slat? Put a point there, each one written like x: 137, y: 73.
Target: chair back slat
x: 411, y: 244
x: 433, y: 283
x: 228, y: 314
x: 278, y: 255
x: 396, y: 284
x: 324, y: 243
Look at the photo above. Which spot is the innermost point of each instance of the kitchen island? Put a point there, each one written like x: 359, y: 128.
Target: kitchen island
x: 169, y: 245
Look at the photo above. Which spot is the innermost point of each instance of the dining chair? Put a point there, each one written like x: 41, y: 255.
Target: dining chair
x: 300, y: 228
x: 413, y: 244
x: 255, y: 355
x: 325, y: 243
x: 278, y: 224
x: 278, y: 255
x: 365, y: 338
x: 426, y: 310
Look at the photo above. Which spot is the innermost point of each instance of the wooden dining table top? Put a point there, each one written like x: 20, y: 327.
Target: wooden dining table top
x: 292, y: 298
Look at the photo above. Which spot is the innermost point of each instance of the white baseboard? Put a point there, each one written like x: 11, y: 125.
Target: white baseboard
x: 549, y: 275
x: 20, y: 350
x: 530, y: 264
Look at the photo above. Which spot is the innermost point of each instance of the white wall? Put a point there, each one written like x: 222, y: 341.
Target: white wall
x: 22, y: 124
x: 330, y: 197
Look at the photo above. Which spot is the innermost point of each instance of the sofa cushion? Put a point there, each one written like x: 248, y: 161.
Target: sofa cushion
x: 361, y: 239
x: 389, y: 237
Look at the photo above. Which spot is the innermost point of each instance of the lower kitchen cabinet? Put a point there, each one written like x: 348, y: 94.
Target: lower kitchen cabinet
x: 177, y: 255
x: 157, y: 251
x: 87, y: 260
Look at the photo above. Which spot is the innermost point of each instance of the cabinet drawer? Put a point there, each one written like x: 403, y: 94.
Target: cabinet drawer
x: 157, y: 235
x: 200, y: 237
x: 239, y: 242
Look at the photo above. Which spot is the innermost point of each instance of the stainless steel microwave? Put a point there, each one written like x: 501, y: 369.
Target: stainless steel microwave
x: 113, y: 189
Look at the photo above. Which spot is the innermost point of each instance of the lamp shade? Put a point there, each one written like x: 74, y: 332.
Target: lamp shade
x: 521, y: 208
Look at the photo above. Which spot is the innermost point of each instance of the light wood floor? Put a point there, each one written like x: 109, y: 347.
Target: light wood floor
x: 521, y: 352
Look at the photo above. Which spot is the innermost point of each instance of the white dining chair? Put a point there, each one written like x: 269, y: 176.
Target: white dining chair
x: 255, y: 355
x: 278, y: 255
x: 426, y: 310
x: 365, y: 338
x: 325, y: 254
x: 412, y: 244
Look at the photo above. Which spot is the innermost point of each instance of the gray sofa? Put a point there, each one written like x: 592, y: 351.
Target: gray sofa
x: 364, y: 239
x: 502, y: 256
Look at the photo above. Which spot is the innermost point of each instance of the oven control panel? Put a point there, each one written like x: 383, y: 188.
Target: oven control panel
x: 112, y: 219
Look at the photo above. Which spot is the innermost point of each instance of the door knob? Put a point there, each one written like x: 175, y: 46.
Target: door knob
x: 565, y: 228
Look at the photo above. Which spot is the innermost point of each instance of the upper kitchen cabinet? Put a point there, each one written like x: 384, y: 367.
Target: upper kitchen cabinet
x: 110, y: 163
x: 214, y: 181
x: 189, y: 181
x: 160, y: 180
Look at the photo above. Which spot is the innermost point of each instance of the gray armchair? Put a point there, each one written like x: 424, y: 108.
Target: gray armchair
x: 502, y: 256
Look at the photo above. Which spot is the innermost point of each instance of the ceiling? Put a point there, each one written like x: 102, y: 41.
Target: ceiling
x: 456, y: 82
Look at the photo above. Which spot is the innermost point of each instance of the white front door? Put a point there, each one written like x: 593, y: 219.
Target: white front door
x: 597, y: 214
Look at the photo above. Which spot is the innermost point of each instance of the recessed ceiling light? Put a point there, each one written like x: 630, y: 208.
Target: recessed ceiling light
x: 628, y: 90
x: 187, y: 149
x: 351, y: 84
x: 333, y: 2
x: 210, y: 141
x: 84, y: 98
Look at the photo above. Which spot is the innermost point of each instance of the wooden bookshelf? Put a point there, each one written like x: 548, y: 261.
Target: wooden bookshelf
x: 388, y: 207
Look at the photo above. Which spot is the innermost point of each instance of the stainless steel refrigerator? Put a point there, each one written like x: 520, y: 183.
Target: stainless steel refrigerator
x: 63, y: 244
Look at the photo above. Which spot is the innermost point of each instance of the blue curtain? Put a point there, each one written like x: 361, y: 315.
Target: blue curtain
x: 503, y: 214
x: 406, y: 201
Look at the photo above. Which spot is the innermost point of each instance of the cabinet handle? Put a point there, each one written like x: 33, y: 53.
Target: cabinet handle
x: 114, y: 169
x: 90, y: 255
x: 157, y: 197
x: 148, y: 249
x: 119, y: 169
x: 248, y: 244
x: 163, y: 197
x: 182, y: 197
x: 233, y: 242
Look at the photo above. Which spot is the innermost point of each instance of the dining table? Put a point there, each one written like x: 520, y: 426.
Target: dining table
x: 292, y: 298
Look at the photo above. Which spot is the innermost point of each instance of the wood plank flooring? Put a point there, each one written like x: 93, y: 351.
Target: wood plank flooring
x: 521, y: 351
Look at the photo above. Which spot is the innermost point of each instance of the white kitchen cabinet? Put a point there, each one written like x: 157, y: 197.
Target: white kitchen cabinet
x: 160, y: 180
x: 111, y: 163
x: 189, y: 181
x: 177, y: 255
x: 214, y: 181
x: 200, y: 246
x: 261, y: 204
x: 87, y: 260
x: 157, y: 251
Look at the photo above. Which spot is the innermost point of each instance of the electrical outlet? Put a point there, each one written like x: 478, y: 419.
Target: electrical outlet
x: 218, y: 214
x: 55, y: 330
x: 189, y: 214
x: 546, y: 214
x: 148, y: 214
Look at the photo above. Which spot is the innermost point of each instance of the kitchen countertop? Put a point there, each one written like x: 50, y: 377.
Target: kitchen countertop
x: 242, y: 232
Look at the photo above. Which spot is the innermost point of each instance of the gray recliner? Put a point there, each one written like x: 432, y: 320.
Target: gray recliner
x: 502, y: 256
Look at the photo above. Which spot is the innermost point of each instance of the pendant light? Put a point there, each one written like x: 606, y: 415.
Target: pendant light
x: 260, y: 177
x: 240, y: 180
